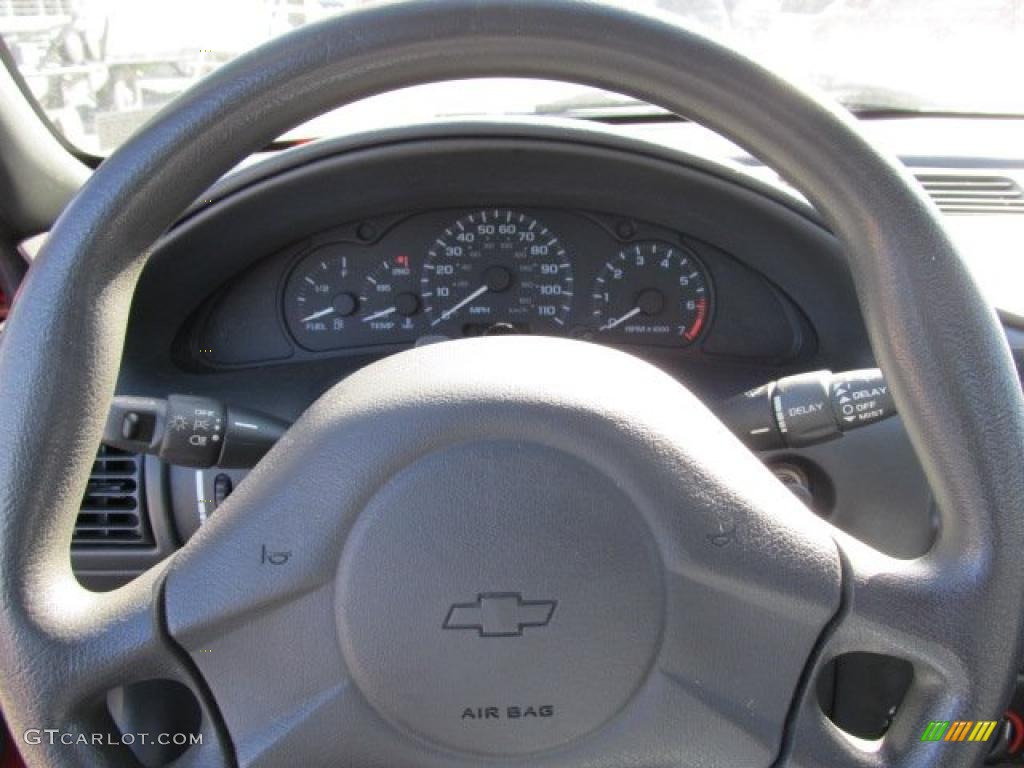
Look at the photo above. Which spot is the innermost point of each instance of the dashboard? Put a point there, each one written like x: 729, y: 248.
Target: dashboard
x: 295, y: 273
x: 422, y: 276
x: 298, y: 271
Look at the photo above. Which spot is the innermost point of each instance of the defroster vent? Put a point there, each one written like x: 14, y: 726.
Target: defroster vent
x: 113, y: 511
x: 973, y: 193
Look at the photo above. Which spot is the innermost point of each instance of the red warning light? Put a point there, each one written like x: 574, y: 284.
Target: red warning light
x: 402, y: 260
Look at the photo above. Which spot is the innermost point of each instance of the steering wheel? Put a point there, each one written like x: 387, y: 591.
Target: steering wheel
x: 480, y: 550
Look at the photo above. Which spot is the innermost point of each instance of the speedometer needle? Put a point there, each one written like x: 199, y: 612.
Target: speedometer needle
x: 614, y: 323
x: 378, y: 315
x: 469, y: 299
x: 317, y: 315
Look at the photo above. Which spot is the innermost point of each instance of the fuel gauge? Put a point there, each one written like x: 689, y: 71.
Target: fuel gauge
x: 321, y: 299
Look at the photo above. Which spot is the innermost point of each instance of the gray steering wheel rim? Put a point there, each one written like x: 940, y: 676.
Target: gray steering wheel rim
x: 939, y: 343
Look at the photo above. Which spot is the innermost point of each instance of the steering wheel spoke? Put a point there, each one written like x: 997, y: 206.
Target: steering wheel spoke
x: 901, y: 609
x: 112, y: 638
x: 103, y: 643
x: 894, y: 606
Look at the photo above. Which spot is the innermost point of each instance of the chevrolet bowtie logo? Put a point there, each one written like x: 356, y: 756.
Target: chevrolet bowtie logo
x: 500, y: 614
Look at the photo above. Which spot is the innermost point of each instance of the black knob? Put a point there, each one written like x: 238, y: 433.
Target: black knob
x: 222, y: 487
x: 346, y: 304
x: 407, y: 304
x: 497, y: 279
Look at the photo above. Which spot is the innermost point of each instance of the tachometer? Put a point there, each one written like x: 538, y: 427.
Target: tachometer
x: 496, y: 267
x: 652, y: 293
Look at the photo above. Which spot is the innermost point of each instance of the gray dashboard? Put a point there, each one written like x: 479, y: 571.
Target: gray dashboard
x: 211, y: 313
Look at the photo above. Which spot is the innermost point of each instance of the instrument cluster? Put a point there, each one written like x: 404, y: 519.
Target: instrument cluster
x: 500, y: 270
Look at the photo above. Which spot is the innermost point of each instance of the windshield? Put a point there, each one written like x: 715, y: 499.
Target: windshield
x: 101, y: 68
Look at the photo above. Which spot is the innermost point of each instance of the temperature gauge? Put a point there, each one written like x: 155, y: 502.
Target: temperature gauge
x: 389, y: 300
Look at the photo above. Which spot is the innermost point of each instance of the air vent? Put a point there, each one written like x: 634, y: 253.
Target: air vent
x: 112, y: 511
x: 34, y: 10
x: 955, y: 193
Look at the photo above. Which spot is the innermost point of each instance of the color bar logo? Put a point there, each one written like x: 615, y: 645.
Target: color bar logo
x: 959, y: 730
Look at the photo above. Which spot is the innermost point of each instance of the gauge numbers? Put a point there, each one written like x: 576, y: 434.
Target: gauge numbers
x: 321, y: 299
x: 389, y: 299
x: 497, y: 268
x: 652, y: 293
x: 494, y: 271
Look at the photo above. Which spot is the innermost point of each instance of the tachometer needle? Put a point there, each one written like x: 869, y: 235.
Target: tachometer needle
x: 469, y: 299
x: 379, y: 315
x: 317, y: 315
x: 614, y: 323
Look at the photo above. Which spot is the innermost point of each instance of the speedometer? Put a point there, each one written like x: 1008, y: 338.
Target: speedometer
x: 496, y: 268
